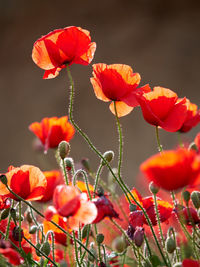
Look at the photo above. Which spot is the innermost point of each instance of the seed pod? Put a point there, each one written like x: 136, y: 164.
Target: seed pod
x: 63, y: 149
x: 195, y: 196
x: 153, y: 188
x: 45, y: 247
x: 33, y: 229
x: 100, y: 238
x: 5, y: 214
x: 170, y: 245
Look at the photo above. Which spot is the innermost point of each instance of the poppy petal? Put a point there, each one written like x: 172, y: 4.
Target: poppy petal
x: 121, y: 107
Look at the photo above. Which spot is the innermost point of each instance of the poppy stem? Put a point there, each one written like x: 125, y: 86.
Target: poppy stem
x: 20, y: 226
x: 97, y: 178
x: 120, y: 140
x: 52, y: 242
x: 76, y: 249
x: 65, y: 173
x: 85, y: 179
x: 9, y: 220
x: 160, y: 148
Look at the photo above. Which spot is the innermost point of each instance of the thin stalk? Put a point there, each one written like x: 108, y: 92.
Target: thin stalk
x: 86, y: 243
x: 97, y: 179
x: 85, y: 179
x: 147, y: 244
x: 98, y: 245
x: 120, y: 140
x: 76, y: 249
x: 52, y: 242
x: 160, y: 148
x: 20, y: 226
x: 174, y: 237
x: 9, y: 220
x: 158, y: 220
x: 65, y: 173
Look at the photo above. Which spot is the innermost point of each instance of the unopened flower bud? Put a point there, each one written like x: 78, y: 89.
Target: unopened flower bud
x: 100, y: 238
x: 132, y: 207
x: 33, y: 229
x: 100, y: 191
x: 17, y: 233
x: 63, y: 149
x: 195, y: 196
x: 130, y: 231
x: 170, y: 245
x: 5, y: 214
x: 13, y: 214
x: 38, y: 246
x: 3, y: 179
x: 193, y: 146
x: 108, y: 156
x: 85, y: 230
x: 29, y: 217
x: 153, y: 188
x: 45, y: 247
x: 69, y: 163
x: 138, y: 236
x: 118, y: 244
x: 186, y: 196
x: 86, y: 164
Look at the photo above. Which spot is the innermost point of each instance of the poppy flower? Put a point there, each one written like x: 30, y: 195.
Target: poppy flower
x: 53, y: 178
x: 117, y: 83
x: 51, y: 131
x: 188, y: 217
x: 69, y: 202
x: 192, y: 117
x: 172, y: 169
x: 104, y: 209
x: 62, y: 47
x: 162, y: 107
x: 190, y: 263
x: 12, y: 256
x: 26, y: 181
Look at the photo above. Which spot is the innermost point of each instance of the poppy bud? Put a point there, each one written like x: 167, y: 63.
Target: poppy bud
x: 69, y: 163
x: 108, y: 156
x: 45, y: 247
x: 100, y: 238
x: 170, y: 245
x: 28, y: 217
x: 132, y: 207
x: 195, y: 196
x: 186, y: 196
x: 16, y: 233
x: 100, y: 191
x: 38, y: 246
x: 193, y: 146
x: 138, y: 236
x: 63, y: 149
x: 130, y: 231
x: 3, y: 179
x: 118, y: 244
x: 85, y: 230
x: 33, y: 229
x: 153, y: 188
x: 13, y: 214
x: 5, y: 214
x: 86, y: 164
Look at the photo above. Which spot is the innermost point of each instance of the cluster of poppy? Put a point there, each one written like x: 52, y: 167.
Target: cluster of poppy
x: 71, y: 207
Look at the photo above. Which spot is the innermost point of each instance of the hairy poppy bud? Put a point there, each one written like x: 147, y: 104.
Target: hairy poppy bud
x: 118, y: 244
x: 130, y: 231
x: 16, y: 233
x: 45, y: 247
x: 38, y: 246
x: 3, y: 179
x: 29, y: 217
x: 86, y: 164
x: 153, y: 188
x: 5, y: 214
x: 138, y: 236
x: 100, y: 238
x: 33, y: 229
x: 132, y: 207
x: 69, y: 163
x: 85, y: 230
x: 186, y: 196
x: 170, y: 245
x: 108, y: 156
x: 195, y: 196
x: 193, y: 146
x: 63, y: 149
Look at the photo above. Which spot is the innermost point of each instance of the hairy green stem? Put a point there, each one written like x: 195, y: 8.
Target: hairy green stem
x: 9, y: 220
x: 97, y: 179
x: 160, y: 148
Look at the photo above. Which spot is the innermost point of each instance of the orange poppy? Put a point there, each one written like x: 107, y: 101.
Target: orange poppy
x: 69, y: 202
x: 53, y: 178
x: 51, y: 131
x: 26, y: 181
x: 162, y: 107
x: 192, y: 117
x: 118, y: 83
x: 62, y: 47
x: 172, y: 169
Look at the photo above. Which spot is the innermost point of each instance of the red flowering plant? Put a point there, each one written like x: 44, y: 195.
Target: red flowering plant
x: 86, y: 223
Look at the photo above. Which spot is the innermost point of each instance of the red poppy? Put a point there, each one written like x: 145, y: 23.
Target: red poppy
x: 104, y: 209
x: 51, y: 131
x: 192, y: 117
x: 12, y: 255
x: 197, y: 141
x: 190, y: 263
x: 62, y: 47
x: 69, y: 202
x: 53, y: 178
x: 161, y: 107
x: 26, y: 181
x: 117, y: 83
x: 188, y: 217
x: 172, y: 169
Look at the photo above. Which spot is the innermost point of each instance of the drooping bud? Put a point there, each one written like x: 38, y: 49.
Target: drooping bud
x: 63, y: 149
x: 193, y: 146
x: 138, y: 236
x: 186, y: 196
x: 38, y: 246
x: 33, y: 229
x: 45, y: 247
x: 170, y: 245
x: 17, y: 233
x: 153, y: 188
x: 86, y: 164
x: 3, y: 179
x: 100, y: 238
x: 108, y: 156
x: 132, y: 207
x: 195, y: 197
x: 5, y: 214
x: 69, y: 163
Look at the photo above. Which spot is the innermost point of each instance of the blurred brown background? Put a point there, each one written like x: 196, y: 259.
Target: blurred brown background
x: 159, y: 39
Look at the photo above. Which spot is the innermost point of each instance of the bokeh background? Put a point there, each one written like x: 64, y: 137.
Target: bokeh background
x: 159, y: 39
